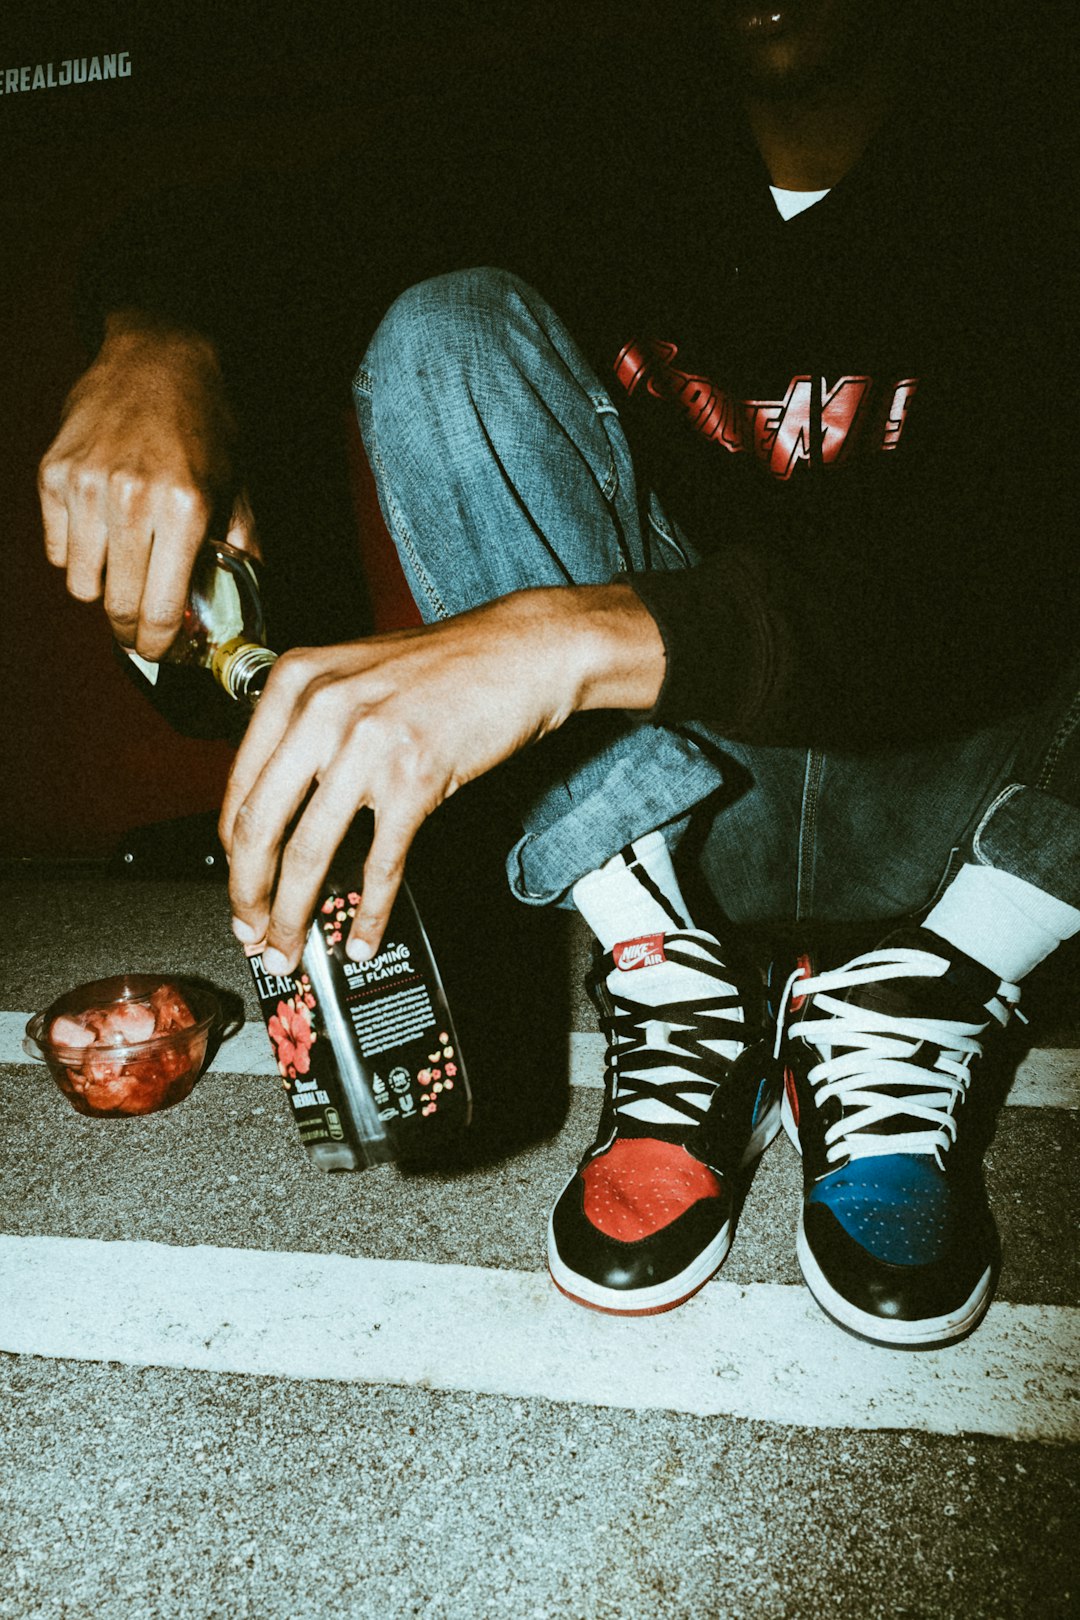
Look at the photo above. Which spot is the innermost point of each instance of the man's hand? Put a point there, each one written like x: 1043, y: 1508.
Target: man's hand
x: 400, y: 722
x: 140, y: 469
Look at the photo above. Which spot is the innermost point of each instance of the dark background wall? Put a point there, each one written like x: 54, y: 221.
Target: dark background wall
x: 212, y: 92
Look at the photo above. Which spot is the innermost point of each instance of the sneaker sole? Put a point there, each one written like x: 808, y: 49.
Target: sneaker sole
x: 675, y: 1291
x: 932, y: 1333
x: 647, y: 1301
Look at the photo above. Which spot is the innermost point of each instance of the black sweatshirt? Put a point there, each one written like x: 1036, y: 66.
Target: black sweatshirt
x: 859, y: 416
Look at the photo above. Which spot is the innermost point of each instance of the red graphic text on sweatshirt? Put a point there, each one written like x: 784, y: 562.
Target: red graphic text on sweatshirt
x: 852, y: 414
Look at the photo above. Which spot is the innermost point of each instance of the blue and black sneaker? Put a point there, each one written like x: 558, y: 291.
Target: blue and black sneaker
x: 896, y: 1242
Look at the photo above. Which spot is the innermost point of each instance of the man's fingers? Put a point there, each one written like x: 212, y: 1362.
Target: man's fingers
x: 129, y: 541
x: 253, y: 861
x: 255, y: 817
x: 88, y: 535
x: 133, y: 537
x: 243, y: 533
x: 304, y: 864
x: 54, y: 512
x: 179, y: 519
x: 266, y: 729
x: 383, y: 873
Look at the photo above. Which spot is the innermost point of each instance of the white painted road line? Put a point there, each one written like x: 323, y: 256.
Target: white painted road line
x: 247, y: 1052
x: 761, y: 1352
x: 1045, y: 1079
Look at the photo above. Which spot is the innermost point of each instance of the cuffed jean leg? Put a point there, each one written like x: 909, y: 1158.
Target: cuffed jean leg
x: 827, y: 837
x: 819, y: 835
x: 501, y: 463
x: 1032, y: 826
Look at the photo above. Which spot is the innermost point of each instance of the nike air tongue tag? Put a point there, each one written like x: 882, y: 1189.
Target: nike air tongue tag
x: 639, y: 953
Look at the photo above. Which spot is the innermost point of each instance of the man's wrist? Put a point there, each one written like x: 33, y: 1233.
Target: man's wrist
x: 625, y: 656
x: 606, y: 648
x: 137, y: 329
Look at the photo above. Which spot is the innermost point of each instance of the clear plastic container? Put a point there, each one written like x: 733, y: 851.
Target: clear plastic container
x: 133, y: 1044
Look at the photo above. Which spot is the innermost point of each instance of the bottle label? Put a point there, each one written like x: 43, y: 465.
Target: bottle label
x: 366, y: 1050
x: 291, y: 1014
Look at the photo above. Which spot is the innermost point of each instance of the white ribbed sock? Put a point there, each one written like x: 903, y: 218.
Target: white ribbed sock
x: 617, y: 906
x: 1002, y: 921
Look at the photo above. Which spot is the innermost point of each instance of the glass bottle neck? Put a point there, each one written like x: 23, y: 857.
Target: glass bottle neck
x: 242, y: 668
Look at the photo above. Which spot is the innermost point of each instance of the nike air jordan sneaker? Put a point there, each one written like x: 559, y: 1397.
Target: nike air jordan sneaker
x: 692, y: 1098
x: 896, y: 1242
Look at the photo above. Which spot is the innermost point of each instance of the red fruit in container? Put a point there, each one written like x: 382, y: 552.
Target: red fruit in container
x: 72, y: 1033
x: 128, y: 1045
x: 124, y: 1024
x: 170, y: 1009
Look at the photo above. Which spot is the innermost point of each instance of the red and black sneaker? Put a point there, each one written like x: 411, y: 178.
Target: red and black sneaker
x: 691, y: 1101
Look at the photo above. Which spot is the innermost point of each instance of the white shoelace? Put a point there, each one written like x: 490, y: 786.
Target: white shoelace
x: 874, y: 1050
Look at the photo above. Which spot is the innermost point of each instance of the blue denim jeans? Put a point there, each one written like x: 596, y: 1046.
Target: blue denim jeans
x: 501, y: 463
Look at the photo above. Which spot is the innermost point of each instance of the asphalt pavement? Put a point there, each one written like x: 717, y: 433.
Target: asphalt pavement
x: 235, y: 1386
